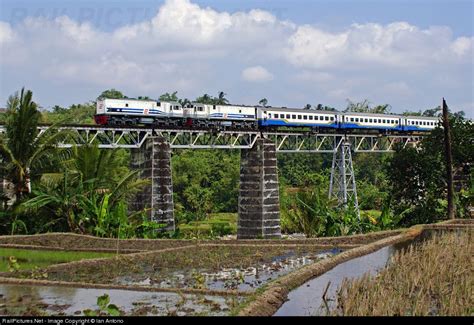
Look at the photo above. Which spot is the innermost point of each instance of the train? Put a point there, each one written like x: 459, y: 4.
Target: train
x: 134, y: 112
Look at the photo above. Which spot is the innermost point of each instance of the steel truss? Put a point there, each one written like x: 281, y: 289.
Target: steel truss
x: 123, y: 137
x: 342, y: 184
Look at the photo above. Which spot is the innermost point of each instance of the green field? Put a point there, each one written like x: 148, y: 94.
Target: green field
x: 29, y: 259
x: 216, y: 224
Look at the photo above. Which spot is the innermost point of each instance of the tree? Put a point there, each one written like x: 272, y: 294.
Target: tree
x: 364, y: 107
x: 263, y: 102
x: 88, y: 190
x: 432, y: 112
x: 143, y: 97
x: 58, y: 109
x: 307, y: 106
x: 205, y: 99
x: 449, y: 161
x: 184, y: 102
x: 111, y: 93
x: 24, y: 148
x: 220, y: 99
x: 167, y: 97
x: 320, y: 107
x: 418, y: 176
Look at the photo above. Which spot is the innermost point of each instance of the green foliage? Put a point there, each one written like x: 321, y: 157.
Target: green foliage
x: 263, y: 102
x: 302, y: 170
x: 167, y: 97
x: 105, y: 308
x: 88, y: 193
x: 364, y: 107
x: 111, y: 93
x: 24, y: 150
x: 76, y: 113
x: 418, y: 176
x: 310, y: 211
x: 215, y: 225
x: 210, y: 100
x: 13, y: 265
x: 204, y: 181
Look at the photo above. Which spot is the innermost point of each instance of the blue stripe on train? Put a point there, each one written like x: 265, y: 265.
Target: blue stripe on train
x: 274, y: 122
x: 378, y: 127
x: 132, y: 110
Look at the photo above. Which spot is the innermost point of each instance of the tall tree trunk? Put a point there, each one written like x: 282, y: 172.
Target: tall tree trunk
x: 449, y: 161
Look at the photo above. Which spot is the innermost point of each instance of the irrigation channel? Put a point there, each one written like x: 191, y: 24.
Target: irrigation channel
x: 317, y: 297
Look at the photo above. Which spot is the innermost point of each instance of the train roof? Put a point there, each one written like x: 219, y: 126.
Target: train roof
x: 298, y: 110
x: 422, y: 117
x: 131, y: 99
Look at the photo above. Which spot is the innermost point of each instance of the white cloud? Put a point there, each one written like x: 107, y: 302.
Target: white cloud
x: 6, y: 32
x: 397, y: 44
x: 256, y: 74
x: 196, y: 49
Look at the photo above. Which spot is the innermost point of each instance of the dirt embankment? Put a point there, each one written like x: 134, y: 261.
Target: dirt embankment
x: 70, y: 241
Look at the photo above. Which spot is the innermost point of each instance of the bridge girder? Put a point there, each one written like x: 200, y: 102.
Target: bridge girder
x: 286, y: 142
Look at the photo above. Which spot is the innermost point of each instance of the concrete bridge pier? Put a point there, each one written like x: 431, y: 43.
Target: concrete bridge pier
x: 153, y: 159
x: 259, y: 199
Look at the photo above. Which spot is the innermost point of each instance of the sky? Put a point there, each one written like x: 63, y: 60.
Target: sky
x: 408, y: 54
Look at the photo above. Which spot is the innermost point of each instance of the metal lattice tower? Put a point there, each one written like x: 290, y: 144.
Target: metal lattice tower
x: 342, y: 184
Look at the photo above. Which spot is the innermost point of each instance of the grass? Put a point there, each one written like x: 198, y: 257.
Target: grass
x: 213, y: 225
x: 29, y: 259
x: 435, y: 278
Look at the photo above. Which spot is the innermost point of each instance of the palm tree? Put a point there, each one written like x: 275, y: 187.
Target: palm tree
x: 87, y: 192
x: 205, y: 99
x: 220, y: 99
x: 263, y: 102
x: 24, y: 147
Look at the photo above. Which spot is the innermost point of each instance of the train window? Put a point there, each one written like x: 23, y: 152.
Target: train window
x: 370, y: 120
x: 287, y: 115
x: 311, y: 117
x: 158, y: 104
x: 305, y: 117
x: 366, y: 120
x: 299, y: 117
x: 282, y: 115
x: 357, y: 119
x: 327, y: 118
x: 380, y: 121
x: 293, y: 116
x: 352, y: 119
x: 316, y: 117
x: 240, y: 111
x: 332, y: 118
x: 269, y: 115
x: 126, y: 105
x: 201, y: 109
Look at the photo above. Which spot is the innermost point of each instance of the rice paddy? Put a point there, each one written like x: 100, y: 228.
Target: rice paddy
x: 434, y: 278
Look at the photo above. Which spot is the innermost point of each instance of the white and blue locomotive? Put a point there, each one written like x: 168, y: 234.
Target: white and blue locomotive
x: 129, y: 112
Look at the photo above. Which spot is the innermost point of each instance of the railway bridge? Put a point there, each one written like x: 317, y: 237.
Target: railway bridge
x: 259, y: 208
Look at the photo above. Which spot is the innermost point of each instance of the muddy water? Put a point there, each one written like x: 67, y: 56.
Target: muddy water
x: 21, y: 300
x: 307, y: 299
x: 228, y: 279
